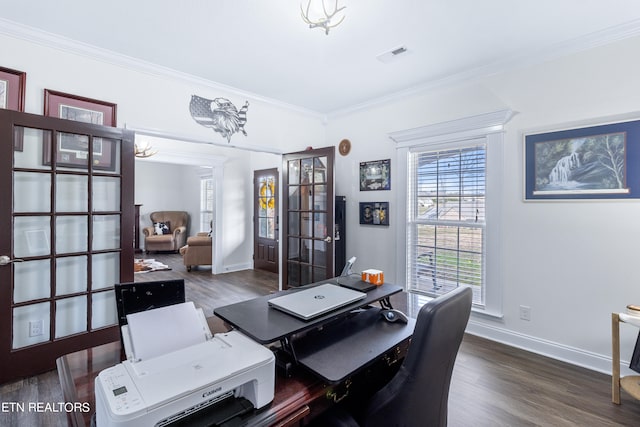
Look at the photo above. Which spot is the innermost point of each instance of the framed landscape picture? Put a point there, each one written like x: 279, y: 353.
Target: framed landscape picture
x: 596, y: 162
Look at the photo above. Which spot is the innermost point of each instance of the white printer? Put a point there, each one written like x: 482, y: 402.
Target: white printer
x: 167, y: 384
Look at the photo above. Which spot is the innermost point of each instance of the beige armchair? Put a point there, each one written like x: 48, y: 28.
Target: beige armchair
x: 168, y: 231
x: 197, y: 251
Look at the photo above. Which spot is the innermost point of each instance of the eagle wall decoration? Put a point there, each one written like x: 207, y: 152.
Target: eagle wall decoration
x: 219, y: 114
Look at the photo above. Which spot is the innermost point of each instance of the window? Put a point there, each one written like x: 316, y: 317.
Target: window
x: 206, y: 203
x: 453, y: 208
x: 446, y: 227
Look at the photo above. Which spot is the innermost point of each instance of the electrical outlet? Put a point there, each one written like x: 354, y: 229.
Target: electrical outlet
x: 525, y: 312
x: 36, y: 328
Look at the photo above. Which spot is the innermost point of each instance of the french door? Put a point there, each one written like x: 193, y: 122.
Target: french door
x: 66, y: 237
x: 265, y: 220
x: 308, y: 220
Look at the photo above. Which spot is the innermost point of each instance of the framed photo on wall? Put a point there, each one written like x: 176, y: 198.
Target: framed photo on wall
x: 374, y: 213
x: 595, y: 162
x: 375, y: 175
x: 12, y: 89
x: 73, y: 149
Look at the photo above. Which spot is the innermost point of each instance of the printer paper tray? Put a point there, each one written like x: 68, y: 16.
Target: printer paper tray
x: 216, y: 415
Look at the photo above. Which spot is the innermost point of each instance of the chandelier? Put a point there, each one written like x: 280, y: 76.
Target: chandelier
x: 143, y: 151
x: 317, y: 15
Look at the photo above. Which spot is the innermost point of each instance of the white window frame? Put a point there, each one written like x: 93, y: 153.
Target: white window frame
x: 207, y: 189
x: 449, y: 135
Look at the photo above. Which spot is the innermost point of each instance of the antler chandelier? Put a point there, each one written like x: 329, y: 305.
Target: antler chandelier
x: 143, y: 151
x: 317, y: 20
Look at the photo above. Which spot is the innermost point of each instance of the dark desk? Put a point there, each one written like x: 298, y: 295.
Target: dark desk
x: 295, y: 398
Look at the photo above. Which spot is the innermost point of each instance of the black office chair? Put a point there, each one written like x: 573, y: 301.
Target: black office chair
x: 418, y: 394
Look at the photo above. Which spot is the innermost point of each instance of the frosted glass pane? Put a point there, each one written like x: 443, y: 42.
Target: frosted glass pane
x: 72, y: 193
x: 71, y: 316
x: 71, y: 234
x: 31, y: 236
x: 31, y: 192
x: 106, y: 232
x: 31, y: 280
x: 30, y: 145
x: 23, y: 316
x: 106, y: 194
x: 105, y: 270
x: 71, y: 275
x: 103, y: 309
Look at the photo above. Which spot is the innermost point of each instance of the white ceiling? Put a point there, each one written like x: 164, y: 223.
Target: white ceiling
x: 264, y: 48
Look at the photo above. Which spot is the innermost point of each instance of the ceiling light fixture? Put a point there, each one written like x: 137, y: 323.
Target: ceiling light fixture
x: 313, y: 15
x: 145, y: 151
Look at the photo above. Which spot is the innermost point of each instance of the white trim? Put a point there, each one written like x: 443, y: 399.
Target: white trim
x: 174, y: 136
x: 490, y: 128
x: 554, y: 350
x: 237, y: 267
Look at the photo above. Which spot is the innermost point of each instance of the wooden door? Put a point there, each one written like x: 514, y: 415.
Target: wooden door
x: 265, y: 220
x: 308, y: 220
x: 67, y: 237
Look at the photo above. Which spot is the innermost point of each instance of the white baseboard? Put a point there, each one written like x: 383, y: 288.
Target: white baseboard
x: 237, y: 267
x: 564, y: 353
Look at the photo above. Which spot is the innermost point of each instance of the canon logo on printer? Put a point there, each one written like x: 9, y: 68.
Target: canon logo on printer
x: 210, y: 392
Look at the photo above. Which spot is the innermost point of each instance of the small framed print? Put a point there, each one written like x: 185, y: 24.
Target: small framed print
x: 374, y: 213
x: 375, y: 175
x: 12, y: 89
x: 79, y: 109
x: 73, y: 149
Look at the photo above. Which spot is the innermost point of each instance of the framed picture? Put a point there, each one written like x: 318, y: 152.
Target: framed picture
x: 79, y: 109
x: 375, y: 175
x: 12, y: 89
x: 374, y: 213
x: 596, y: 162
x: 73, y: 149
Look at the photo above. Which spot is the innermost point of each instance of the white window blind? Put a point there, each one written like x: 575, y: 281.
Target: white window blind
x: 447, y: 223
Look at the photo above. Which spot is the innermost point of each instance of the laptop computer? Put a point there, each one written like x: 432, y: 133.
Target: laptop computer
x: 313, y: 302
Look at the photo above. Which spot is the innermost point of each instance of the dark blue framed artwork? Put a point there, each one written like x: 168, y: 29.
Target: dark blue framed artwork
x: 595, y: 162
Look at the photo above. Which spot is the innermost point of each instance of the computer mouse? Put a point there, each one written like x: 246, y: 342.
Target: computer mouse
x: 392, y: 315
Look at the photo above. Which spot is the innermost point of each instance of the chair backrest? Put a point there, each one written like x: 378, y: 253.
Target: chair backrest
x: 176, y: 218
x: 419, y: 392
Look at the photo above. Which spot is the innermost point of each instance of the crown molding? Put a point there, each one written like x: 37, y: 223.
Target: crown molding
x: 468, y: 127
x: 554, y: 51
x: 54, y: 41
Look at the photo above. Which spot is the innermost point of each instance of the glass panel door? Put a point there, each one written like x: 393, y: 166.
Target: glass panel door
x: 65, y: 247
x: 309, y: 249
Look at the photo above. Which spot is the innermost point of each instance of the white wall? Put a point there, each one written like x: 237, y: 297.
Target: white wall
x: 573, y: 263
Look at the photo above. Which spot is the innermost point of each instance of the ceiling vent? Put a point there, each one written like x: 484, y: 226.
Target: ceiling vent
x: 392, y: 54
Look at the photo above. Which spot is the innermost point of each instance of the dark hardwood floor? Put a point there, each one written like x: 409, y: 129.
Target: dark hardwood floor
x: 492, y: 385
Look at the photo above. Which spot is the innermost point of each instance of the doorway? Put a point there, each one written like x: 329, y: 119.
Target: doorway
x: 308, y: 216
x: 265, y: 220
